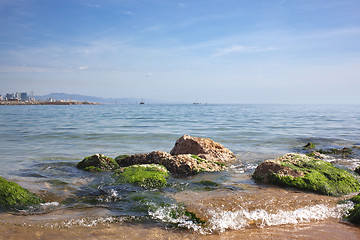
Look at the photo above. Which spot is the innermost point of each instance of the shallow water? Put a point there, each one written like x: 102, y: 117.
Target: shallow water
x: 40, y: 146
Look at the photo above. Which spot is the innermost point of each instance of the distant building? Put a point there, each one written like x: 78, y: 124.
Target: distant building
x: 10, y: 96
x: 1, y: 98
x: 24, y: 97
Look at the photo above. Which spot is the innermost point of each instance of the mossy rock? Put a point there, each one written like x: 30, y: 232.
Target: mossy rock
x: 120, y: 157
x: 93, y: 169
x: 97, y: 163
x: 309, y: 145
x: 13, y: 196
x: 344, y: 152
x: 354, y: 214
x: 306, y: 173
x: 144, y: 175
x: 197, y: 158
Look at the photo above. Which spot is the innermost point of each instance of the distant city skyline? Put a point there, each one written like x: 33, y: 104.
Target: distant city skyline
x: 233, y: 51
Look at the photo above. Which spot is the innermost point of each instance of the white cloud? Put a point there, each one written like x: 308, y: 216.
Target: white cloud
x: 83, y: 67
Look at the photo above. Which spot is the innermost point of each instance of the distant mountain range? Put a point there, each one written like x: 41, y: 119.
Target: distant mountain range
x: 82, y: 98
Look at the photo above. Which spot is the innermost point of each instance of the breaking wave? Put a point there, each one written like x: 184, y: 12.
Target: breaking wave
x: 222, y: 220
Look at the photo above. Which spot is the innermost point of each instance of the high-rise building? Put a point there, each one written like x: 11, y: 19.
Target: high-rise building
x: 1, y: 98
x: 24, y: 97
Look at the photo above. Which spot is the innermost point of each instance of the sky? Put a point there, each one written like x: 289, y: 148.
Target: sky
x: 214, y: 51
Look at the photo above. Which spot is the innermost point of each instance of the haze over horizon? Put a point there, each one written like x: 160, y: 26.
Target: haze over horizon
x: 214, y: 51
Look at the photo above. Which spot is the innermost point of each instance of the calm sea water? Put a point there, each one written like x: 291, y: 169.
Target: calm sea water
x: 40, y: 145
x: 35, y: 133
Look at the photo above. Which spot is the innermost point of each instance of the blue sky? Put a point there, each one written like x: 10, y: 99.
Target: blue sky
x: 216, y: 51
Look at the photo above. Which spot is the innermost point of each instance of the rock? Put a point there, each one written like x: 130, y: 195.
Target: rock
x: 309, y: 145
x: 205, y: 148
x: 357, y: 170
x: 97, y: 163
x: 354, y: 214
x: 13, y: 196
x: 318, y: 155
x: 145, y: 175
x: 306, y: 173
x: 343, y: 152
x: 182, y: 164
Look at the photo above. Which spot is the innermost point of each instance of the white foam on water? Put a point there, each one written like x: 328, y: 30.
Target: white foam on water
x: 86, y: 222
x: 222, y: 220
x: 112, y: 196
x: 50, y: 204
x: 42, y: 207
x: 174, y: 214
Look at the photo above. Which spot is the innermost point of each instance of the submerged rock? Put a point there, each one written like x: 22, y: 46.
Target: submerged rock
x: 343, y: 152
x: 145, y: 175
x: 182, y: 164
x: 306, y: 173
x: 97, y: 163
x: 12, y: 195
x: 205, y: 148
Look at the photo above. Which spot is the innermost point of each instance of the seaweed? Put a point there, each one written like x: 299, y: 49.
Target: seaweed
x: 13, y: 196
x: 316, y: 176
x: 98, y: 162
x: 145, y: 175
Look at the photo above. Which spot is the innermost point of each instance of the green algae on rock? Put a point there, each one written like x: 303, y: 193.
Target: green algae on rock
x: 13, y: 196
x: 354, y: 214
x: 343, y: 152
x: 309, y: 145
x: 144, y: 175
x: 306, y: 173
x: 97, y: 163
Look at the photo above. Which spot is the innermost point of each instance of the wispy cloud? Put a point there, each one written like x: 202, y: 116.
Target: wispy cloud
x: 151, y: 28
x: 241, y: 49
x: 90, y: 4
x: 83, y: 67
x: 182, y: 5
x: 129, y: 13
x: 26, y: 69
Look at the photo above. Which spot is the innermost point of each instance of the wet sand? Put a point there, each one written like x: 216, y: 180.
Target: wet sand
x: 91, y: 223
x: 317, y: 230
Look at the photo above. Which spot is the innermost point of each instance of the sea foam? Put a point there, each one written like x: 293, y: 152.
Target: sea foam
x: 222, y: 220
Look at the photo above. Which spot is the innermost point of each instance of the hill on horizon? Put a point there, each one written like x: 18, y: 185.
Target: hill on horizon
x: 83, y: 98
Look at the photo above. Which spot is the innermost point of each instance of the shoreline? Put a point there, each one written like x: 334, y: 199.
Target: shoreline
x: 47, y: 103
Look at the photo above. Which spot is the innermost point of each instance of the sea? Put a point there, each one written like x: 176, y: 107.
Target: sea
x: 41, y: 145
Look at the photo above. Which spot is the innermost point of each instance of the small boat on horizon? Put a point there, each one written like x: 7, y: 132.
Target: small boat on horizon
x: 142, y: 102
